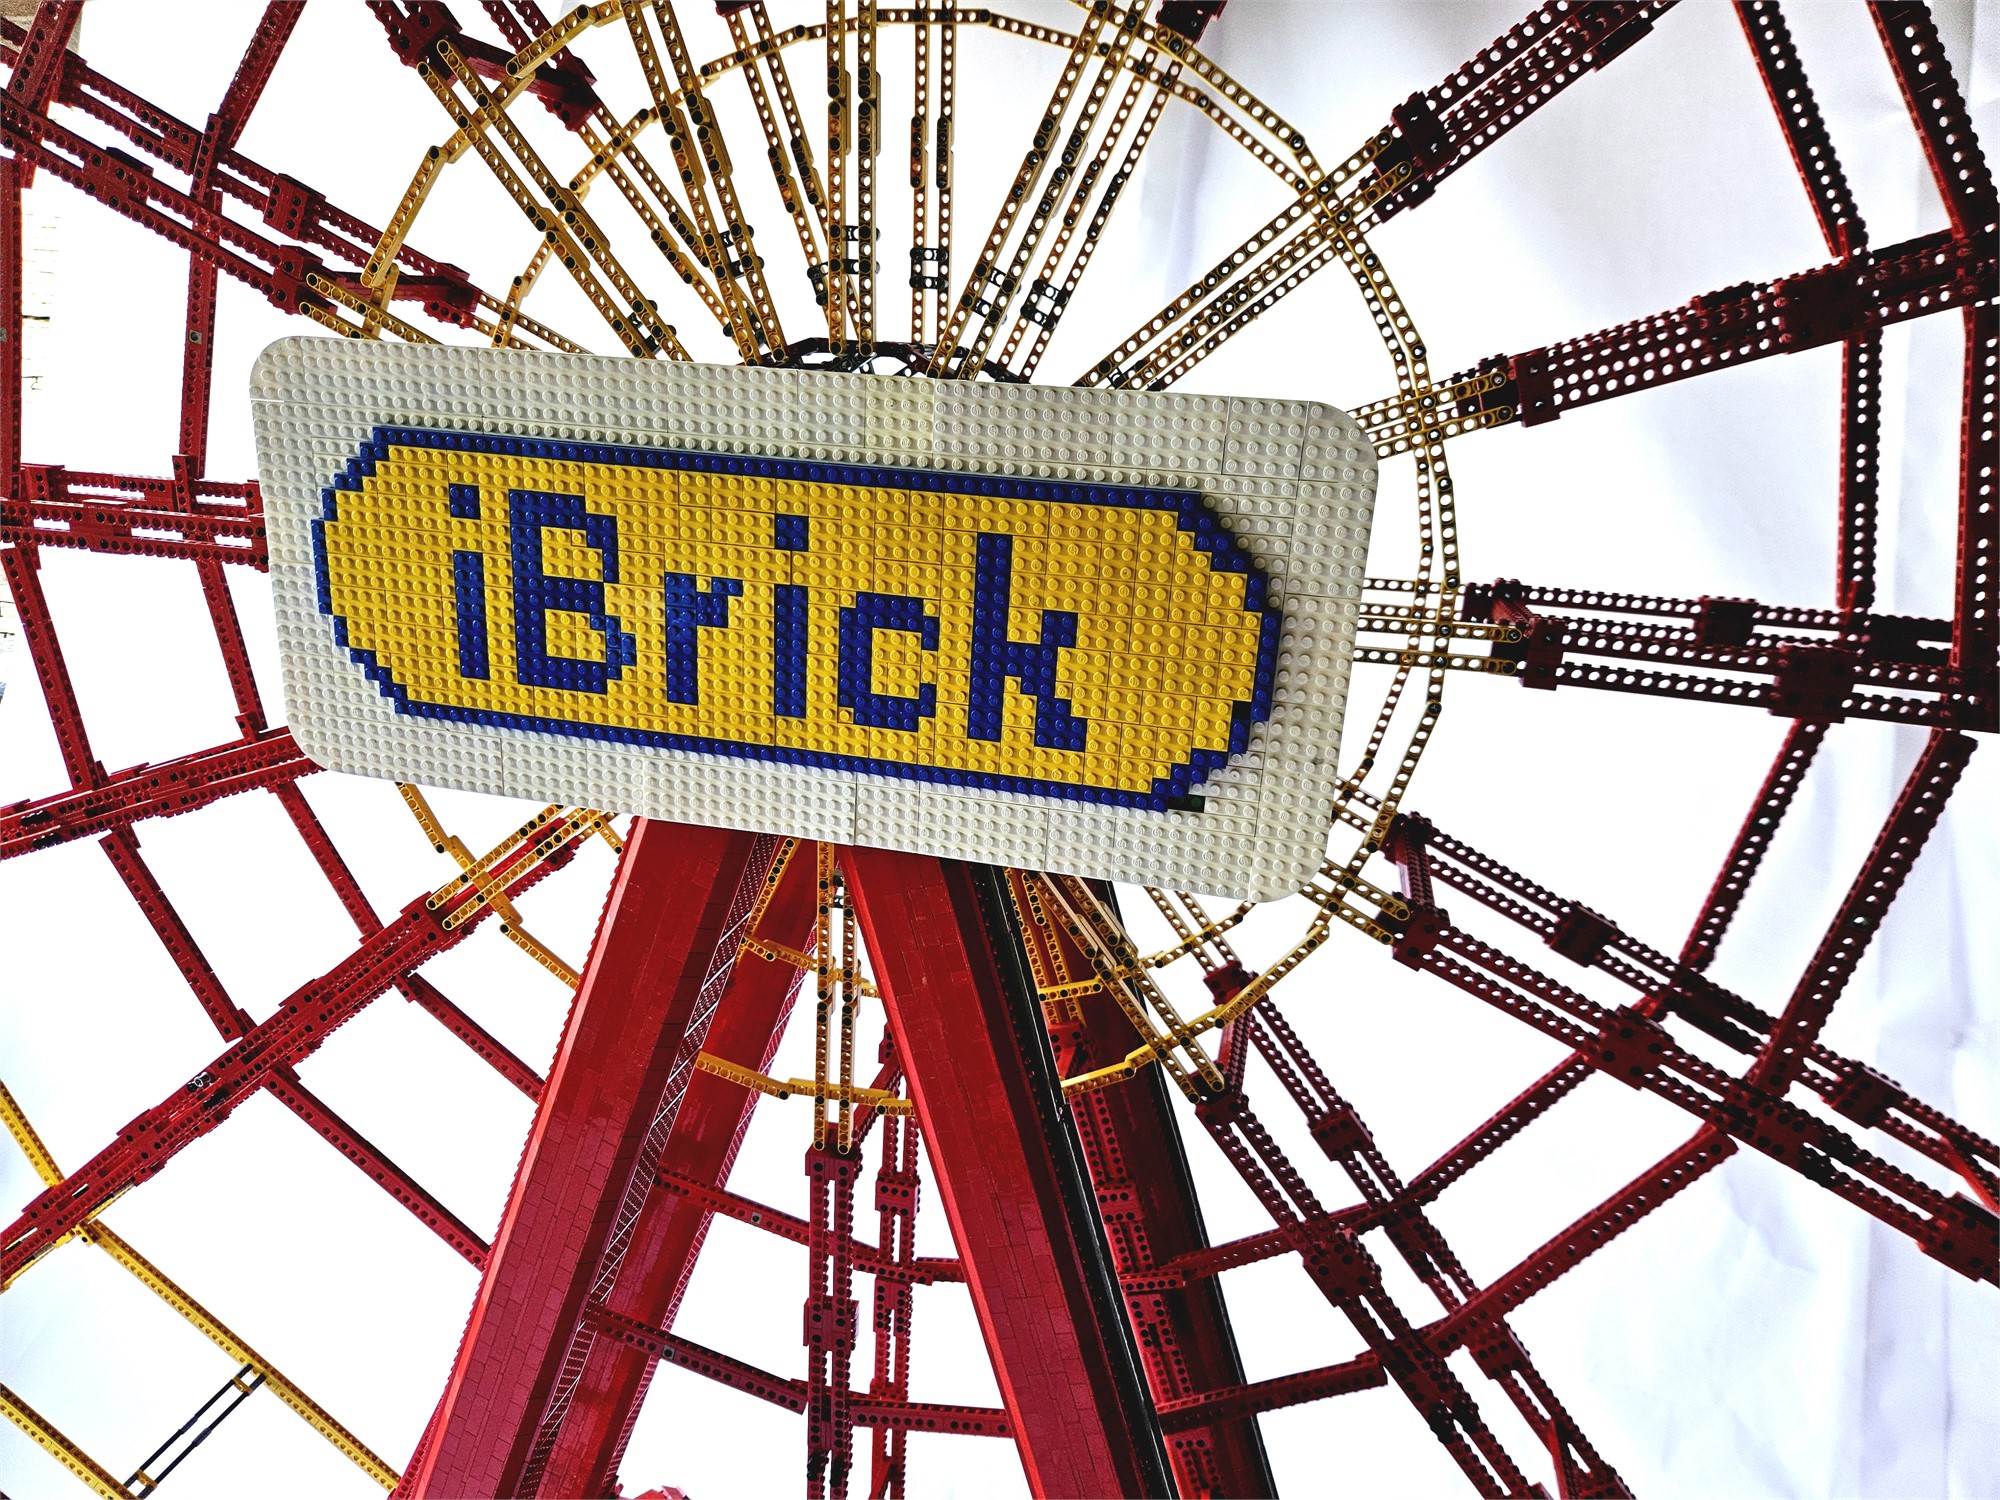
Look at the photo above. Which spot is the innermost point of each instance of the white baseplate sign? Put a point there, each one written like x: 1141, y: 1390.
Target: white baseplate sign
x: 1103, y: 633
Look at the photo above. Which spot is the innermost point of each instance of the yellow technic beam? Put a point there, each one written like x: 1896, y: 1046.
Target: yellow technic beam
x: 492, y: 891
x: 61, y: 1448
x: 163, y: 1286
x: 314, y: 1414
x: 880, y: 1100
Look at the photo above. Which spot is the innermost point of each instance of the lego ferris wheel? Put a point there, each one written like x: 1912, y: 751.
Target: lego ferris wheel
x: 719, y: 187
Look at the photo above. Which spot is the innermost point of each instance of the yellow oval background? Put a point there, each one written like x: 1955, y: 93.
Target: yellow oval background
x: 1174, y: 643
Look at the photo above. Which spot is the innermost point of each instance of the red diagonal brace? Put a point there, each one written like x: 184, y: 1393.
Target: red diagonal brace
x: 1774, y: 798
x: 285, y: 1087
x: 971, y: 1038
x: 1707, y: 1150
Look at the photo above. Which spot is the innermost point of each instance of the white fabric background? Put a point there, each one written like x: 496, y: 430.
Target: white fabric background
x: 1755, y: 1337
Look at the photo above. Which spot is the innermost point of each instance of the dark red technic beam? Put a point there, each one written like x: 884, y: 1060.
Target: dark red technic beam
x: 1345, y: 1139
x: 1749, y: 321
x: 671, y: 1227
x: 1841, y: 226
x: 291, y: 1034
x: 1965, y: 182
x: 1774, y: 798
x: 1975, y: 634
x: 275, y: 269
x: 662, y: 959
x: 225, y: 128
x: 1440, y: 130
x: 230, y: 1021
x: 1805, y: 130
x: 38, y: 62
x: 37, y: 69
x: 1340, y: 1266
x: 284, y: 1086
x: 1901, y: 840
x: 1632, y: 1046
x: 22, y: 567
x: 1735, y: 651
x: 1138, y: 1167
x: 780, y: 1390
x: 1923, y: 72
x: 286, y: 205
x: 1680, y: 1169
x: 1666, y: 988
x: 870, y: 1260
x: 971, y: 1038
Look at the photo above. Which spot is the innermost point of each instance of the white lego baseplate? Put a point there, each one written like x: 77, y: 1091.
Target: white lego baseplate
x: 1106, y: 633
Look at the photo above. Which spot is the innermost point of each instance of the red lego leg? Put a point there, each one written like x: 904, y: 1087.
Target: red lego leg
x: 669, y: 1231
x: 1138, y: 1166
x: 661, y: 960
x: 970, y: 1034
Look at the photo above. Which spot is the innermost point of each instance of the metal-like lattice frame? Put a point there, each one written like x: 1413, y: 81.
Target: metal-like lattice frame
x: 1115, y: 1037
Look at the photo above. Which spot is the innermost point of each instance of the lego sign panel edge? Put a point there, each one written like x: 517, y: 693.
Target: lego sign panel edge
x: 1105, y: 633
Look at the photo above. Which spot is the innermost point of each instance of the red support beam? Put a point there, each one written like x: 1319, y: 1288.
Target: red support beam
x: 1440, y: 130
x: 1975, y: 626
x: 868, y: 1411
x: 1827, y: 304
x: 1240, y: 1403
x: 1842, y: 228
x: 1705, y: 1151
x: 135, y: 517
x: 121, y: 847
x: 972, y: 1042
x: 1138, y: 1166
x: 662, y: 959
x: 152, y: 791
x: 1937, y: 108
x: 1784, y: 77
x: 292, y: 1033
x: 671, y: 1227
x: 225, y: 127
x: 1774, y: 798
x: 38, y: 627
x: 285, y: 1087
x: 1867, y: 902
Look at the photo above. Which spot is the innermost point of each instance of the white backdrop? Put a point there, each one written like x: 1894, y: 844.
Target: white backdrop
x: 1755, y: 1337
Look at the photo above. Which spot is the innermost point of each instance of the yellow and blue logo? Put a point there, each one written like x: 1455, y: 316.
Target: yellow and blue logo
x: 1082, y: 642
